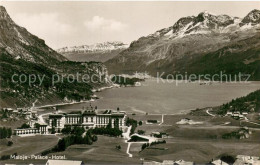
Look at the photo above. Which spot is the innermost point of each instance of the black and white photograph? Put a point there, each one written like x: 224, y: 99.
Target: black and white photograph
x: 129, y: 82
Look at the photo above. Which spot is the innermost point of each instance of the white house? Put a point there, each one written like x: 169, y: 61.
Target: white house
x: 229, y: 113
x: 241, y: 116
x: 64, y: 162
x: 218, y: 162
x: 244, y: 159
x: 244, y: 113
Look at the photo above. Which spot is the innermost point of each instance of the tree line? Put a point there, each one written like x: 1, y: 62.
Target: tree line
x: 5, y: 132
x: 106, y: 131
x: 242, y: 104
x: 133, y: 123
x: 125, y: 80
x: 76, y: 136
x: 145, y: 145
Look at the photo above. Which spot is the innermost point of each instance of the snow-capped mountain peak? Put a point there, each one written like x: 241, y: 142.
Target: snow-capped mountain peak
x: 184, y: 47
x: 98, y: 47
x: 206, y: 12
x: 253, y: 17
x: 207, y: 22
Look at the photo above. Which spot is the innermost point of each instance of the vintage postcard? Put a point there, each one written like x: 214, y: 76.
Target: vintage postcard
x: 129, y: 82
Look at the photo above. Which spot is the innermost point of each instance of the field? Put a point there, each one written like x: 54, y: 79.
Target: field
x: 199, y: 143
x: 199, y: 151
x: 102, y: 151
x: 12, y: 123
x: 27, y: 146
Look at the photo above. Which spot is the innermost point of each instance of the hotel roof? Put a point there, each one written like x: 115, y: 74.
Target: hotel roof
x: 89, y: 112
x: 56, y: 115
x: 64, y: 162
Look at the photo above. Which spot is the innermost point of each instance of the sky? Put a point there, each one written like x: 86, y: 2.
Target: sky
x: 77, y: 23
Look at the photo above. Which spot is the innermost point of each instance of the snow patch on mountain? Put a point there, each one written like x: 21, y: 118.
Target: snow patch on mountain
x: 169, y: 33
x: 207, y: 22
x: 98, y: 47
x: 21, y: 39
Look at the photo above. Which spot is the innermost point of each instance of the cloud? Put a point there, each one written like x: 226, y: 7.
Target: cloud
x: 57, y: 33
x: 45, y: 25
x: 97, y: 23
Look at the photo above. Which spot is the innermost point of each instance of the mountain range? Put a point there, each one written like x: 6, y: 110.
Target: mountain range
x: 100, y: 52
x: 202, y: 44
x: 22, y: 53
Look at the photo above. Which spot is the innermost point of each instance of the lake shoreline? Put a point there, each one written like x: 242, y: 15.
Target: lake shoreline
x: 83, y: 101
x: 77, y: 102
x: 153, y: 98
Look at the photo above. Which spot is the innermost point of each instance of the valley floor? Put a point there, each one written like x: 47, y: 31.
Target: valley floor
x: 199, y: 143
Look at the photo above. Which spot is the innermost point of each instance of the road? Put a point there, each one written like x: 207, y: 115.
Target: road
x: 162, y: 119
x: 252, y: 122
x: 126, y: 136
x: 209, y: 113
x: 127, y: 150
x: 216, y: 127
x: 40, y: 118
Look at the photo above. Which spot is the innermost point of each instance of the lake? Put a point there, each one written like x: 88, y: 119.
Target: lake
x: 168, y: 98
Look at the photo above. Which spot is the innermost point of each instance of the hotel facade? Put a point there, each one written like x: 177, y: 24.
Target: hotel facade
x: 42, y: 130
x: 91, y: 118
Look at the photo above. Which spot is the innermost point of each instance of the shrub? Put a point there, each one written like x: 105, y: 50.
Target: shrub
x: 152, y: 121
x: 118, y: 147
x: 133, y: 123
x: 70, y: 140
x: 158, y: 142
x: 231, y: 135
x: 107, y: 131
x: 66, y: 130
x: 78, y: 131
x: 5, y: 132
x: 141, y: 132
x: 145, y: 145
x: 5, y: 157
x: 94, y: 138
x: 228, y: 159
x: 137, y: 138
x: 53, y: 130
x: 25, y: 126
x: 37, y: 125
x: 10, y: 143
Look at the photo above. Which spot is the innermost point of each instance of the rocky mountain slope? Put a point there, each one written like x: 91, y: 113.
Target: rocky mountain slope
x: 22, y: 53
x: 99, y: 52
x: 19, y: 43
x: 206, y: 43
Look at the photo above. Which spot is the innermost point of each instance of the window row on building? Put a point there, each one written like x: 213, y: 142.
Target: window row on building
x: 88, y: 119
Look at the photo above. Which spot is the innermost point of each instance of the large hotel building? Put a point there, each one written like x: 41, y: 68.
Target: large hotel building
x: 89, y: 118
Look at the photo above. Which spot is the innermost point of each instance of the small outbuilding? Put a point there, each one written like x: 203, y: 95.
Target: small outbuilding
x: 64, y: 162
